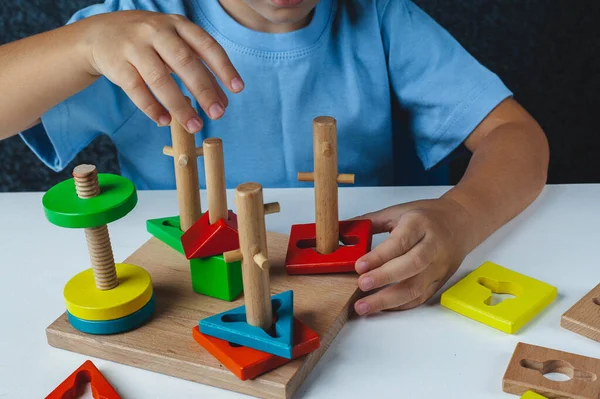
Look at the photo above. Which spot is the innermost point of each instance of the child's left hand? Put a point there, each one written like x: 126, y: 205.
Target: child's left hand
x: 427, y: 243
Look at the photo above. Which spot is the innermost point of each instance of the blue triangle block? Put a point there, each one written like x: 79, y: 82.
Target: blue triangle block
x: 231, y: 326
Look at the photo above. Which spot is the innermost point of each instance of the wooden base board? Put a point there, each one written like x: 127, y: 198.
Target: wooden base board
x: 584, y: 317
x: 166, y: 345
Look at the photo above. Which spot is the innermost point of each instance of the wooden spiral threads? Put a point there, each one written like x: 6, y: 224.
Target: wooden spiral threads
x: 97, y: 238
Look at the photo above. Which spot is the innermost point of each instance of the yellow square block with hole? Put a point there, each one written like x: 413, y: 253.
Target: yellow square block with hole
x: 532, y: 395
x: 472, y: 297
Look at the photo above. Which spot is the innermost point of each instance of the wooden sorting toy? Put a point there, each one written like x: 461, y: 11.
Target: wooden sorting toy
x: 265, y: 323
x: 584, y: 317
x: 471, y: 297
x: 166, y: 345
x: 529, y: 364
x: 107, y: 291
x: 216, y: 231
x: 184, y: 154
x: 314, y: 248
x: 72, y: 386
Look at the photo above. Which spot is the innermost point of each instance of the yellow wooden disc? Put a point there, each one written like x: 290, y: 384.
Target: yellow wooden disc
x: 87, y: 302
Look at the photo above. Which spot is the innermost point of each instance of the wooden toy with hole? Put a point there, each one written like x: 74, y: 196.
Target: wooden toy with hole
x: 253, y: 329
x: 584, y: 317
x: 530, y: 364
x: 72, y: 386
x: 472, y: 297
x: 315, y: 248
x: 107, y: 298
x: 259, y: 336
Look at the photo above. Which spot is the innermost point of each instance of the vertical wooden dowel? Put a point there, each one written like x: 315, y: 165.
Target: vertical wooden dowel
x: 253, y: 241
x: 186, y: 175
x: 326, y: 187
x: 214, y: 166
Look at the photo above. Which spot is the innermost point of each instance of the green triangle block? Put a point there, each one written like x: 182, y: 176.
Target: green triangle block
x: 167, y: 230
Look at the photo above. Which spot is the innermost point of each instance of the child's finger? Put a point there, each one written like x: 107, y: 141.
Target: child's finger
x: 220, y: 92
x: 134, y: 86
x: 401, y: 268
x: 155, y: 73
x: 186, y: 64
x: 405, y: 235
x: 390, y: 297
x: 211, y: 53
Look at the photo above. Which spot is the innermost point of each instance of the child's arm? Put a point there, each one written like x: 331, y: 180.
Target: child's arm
x: 136, y: 50
x: 429, y: 239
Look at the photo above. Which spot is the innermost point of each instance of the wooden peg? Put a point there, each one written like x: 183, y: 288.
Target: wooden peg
x: 326, y: 180
x: 214, y: 166
x: 184, y: 153
x: 253, y: 247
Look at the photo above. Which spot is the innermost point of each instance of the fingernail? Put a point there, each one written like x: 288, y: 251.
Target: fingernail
x: 366, y: 283
x: 164, y: 120
x: 237, y: 84
x: 362, y: 308
x: 194, y: 125
x: 216, y: 110
x: 362, y: 266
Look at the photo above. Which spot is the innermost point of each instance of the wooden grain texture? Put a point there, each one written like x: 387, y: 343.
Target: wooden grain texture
x: 584, y: 317
x: 214, y: 167
x: 529, y: 363
x: 326, y: 187
x: 253, y: 240
x: 165, y: 344
x: 186, y: 175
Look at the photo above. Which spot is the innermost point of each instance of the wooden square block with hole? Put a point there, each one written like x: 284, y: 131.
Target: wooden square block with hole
x: 530, y: 364
x: 584, y: 317
x: 472, y: 297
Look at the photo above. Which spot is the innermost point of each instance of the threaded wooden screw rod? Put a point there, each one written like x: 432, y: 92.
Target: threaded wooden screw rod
x: 97, y: 238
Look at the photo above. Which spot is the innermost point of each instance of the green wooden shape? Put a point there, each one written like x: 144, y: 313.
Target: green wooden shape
x: 167, y: 230
x: 64, y: 208
x: 213, y: 277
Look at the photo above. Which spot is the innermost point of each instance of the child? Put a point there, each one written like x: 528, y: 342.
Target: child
x: 277, y: 65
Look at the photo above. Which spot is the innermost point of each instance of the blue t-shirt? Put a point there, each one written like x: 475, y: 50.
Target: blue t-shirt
x: 404, y: 93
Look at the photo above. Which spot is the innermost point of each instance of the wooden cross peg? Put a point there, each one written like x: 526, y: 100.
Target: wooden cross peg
x: 253, y: 253
x: 326, y: 179
x: 214, y: 167
x: 184, y: 153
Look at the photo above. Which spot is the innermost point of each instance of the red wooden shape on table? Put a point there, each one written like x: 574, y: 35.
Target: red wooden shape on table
x: 204, y: 239
x: 72, y: 387
x: 247, y: 363
x: 302, y: 257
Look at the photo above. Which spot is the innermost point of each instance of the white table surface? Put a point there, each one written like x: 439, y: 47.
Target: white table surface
x: 428, y: 352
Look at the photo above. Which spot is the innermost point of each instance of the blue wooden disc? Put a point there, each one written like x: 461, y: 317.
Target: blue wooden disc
x: 115, y: 326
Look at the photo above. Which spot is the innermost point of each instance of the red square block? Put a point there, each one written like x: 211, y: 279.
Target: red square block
x: 204, y: 239
x: 302, y: 257
x: 247, y: 363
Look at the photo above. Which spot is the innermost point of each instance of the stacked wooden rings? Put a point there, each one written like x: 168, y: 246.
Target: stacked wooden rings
x: 109, y: 297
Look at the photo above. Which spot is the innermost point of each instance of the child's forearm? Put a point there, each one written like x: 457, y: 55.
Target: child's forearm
x: 507, y: 171
x: 38, y: 72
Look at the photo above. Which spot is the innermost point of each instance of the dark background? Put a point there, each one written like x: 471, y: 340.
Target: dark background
x: 546, y: 51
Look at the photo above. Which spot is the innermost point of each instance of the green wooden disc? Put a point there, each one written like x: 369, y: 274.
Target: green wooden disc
x: 64, y: 208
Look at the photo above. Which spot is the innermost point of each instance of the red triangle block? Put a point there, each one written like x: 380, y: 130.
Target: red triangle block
x: 204, y: 239
x: 247, y: 363
x: 72, y: 387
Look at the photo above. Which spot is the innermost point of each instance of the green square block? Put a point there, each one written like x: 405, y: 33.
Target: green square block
x: 213, y: 277
x: 167, y: 230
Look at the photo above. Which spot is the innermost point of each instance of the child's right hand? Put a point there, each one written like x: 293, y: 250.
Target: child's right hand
x: 138, y: 51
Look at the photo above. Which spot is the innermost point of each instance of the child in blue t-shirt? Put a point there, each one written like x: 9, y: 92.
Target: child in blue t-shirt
x: 258, y: 72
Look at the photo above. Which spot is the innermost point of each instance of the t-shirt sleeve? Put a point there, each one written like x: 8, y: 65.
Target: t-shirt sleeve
x: 71, y: 125
x: 443, y: 90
